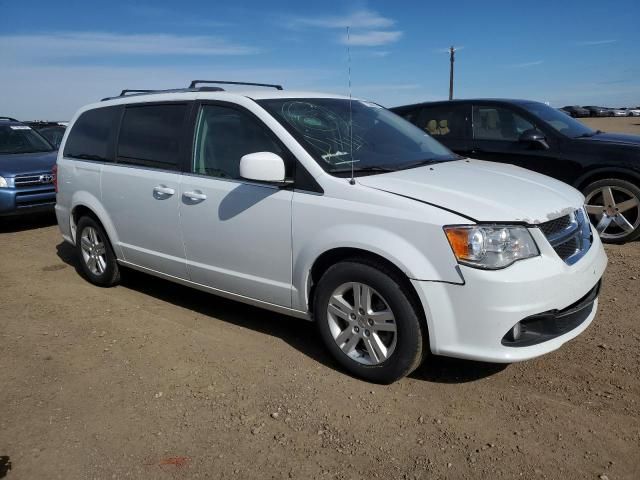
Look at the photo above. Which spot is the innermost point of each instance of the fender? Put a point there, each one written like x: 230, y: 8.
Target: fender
x: 395, y: 248
x: 88, y: 200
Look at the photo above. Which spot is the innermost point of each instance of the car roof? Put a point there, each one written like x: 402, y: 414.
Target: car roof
x: 257, y: 94
x: 463, y: 101
x: 9, y: 121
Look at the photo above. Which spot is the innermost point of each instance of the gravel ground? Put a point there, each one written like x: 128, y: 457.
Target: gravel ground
x: 153, y: 380
x: 616, y: 124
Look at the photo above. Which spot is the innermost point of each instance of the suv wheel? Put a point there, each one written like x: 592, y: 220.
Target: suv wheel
x: 368, y: 322
x: 614, y: 208
x: 97, y: 260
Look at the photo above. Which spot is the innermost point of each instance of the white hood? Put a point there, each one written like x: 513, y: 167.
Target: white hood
x: 483, y: 191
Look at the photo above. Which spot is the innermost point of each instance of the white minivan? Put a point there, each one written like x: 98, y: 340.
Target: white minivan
x: 331, y: 210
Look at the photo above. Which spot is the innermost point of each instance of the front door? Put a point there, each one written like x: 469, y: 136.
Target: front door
x: 237, y: 233
x: 496, y: 137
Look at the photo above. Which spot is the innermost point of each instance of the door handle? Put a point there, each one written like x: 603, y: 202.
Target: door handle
x: 163, y: 190
x: 195, y: 195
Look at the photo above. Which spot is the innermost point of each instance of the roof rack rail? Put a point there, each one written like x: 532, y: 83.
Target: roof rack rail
x: 136, y: 91
x: 11, y: 119
x: 124, y: 92
x: 221, y: 82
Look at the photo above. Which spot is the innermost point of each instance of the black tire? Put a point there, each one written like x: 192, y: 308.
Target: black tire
x: 110, y: 274
x: 411, y: 332
x: 633, y: 216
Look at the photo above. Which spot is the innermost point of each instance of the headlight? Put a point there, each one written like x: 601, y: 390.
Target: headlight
x: 3, y: 183
x: 490, y: 247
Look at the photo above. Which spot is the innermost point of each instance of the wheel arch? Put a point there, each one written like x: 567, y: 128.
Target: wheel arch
x: 87, y: 204
x: 610, y: 172
x: 339, y: 254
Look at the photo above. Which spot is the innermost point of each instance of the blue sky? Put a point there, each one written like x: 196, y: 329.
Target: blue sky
x: 57, y: 56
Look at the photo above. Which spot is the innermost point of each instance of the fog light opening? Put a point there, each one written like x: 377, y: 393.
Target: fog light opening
x: 516, y: 332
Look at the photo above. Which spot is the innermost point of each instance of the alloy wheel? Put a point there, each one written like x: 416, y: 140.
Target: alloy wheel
x: 93, y: 251
x: 362, y: 323
x: 615, y: 211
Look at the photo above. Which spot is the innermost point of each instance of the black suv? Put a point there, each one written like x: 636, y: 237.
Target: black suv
x: 52, y: 131
x: 604, y: 166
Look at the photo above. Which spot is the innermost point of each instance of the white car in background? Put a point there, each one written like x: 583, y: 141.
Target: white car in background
x: 632, y: 112
x: 618, y: 112
x: 331, y: 210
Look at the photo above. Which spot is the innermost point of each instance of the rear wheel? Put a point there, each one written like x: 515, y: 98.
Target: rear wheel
x: 97, y: 260
x: 368, y: 321
x: 614, y: 208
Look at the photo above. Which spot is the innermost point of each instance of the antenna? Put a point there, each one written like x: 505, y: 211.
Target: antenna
x: 352, y: 181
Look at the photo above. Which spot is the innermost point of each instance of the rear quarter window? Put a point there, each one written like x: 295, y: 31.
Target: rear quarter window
x: 90, y: 135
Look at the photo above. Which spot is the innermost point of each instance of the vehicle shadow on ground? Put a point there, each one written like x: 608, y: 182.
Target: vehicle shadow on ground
x: 20, y: 223
x: 299, y: 334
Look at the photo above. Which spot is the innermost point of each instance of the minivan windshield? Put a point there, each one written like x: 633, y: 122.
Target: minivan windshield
x: 379, y: 140
x: 21, y: 139
x: 562, y: 122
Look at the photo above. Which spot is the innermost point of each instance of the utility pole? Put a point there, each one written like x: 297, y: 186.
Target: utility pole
x: 452, y: 53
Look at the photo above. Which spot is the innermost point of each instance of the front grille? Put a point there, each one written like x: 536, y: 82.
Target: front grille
x: 569, y: 235
x: 556, y: 225
x: 33, y: 179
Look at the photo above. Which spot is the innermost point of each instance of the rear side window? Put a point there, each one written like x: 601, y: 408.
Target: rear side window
x: 443, y: 121
x: 151, y: 135
x: 90, y: 135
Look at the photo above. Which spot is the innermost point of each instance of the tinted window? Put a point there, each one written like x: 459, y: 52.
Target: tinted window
x: 150, y: 135
x: 342, y: 134
x: 53, y: 135
x: 411, y: 115
x: 21, y: 139
x: 90, y: 134
x: 223, y: 136
x: 498, y: 123
x: 443, y: 121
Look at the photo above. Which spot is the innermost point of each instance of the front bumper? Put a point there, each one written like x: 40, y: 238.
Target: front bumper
x: 472, y: 320
x: 16, y: 201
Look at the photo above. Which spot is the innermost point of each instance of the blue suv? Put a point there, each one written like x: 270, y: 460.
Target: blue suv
x: 27, y: 161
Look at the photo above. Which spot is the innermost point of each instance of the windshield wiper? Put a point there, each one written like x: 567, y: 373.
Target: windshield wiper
x: 589, y: 134
x: 370, y: 168
x: 422, y: 163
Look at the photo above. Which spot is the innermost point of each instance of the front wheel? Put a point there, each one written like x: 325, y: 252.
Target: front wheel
x: 368, y: 321
x: 613, y: 206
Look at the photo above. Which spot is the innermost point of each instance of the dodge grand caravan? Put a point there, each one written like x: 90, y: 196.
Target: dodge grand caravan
x: 330, y: 210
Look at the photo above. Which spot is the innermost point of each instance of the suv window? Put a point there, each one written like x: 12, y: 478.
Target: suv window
x: 223, y: 136
x: 498, y: 123
x: 18, y: 138
x: 442, y: 121
x: 90, y: 134
x: 150, y: 135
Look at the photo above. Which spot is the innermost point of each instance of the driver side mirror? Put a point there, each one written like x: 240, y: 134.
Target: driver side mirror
x: 534, y: 138
x: 264, y: 167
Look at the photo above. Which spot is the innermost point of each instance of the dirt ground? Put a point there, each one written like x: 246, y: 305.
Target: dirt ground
x: 616, y: 124
x: 153, y: 380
